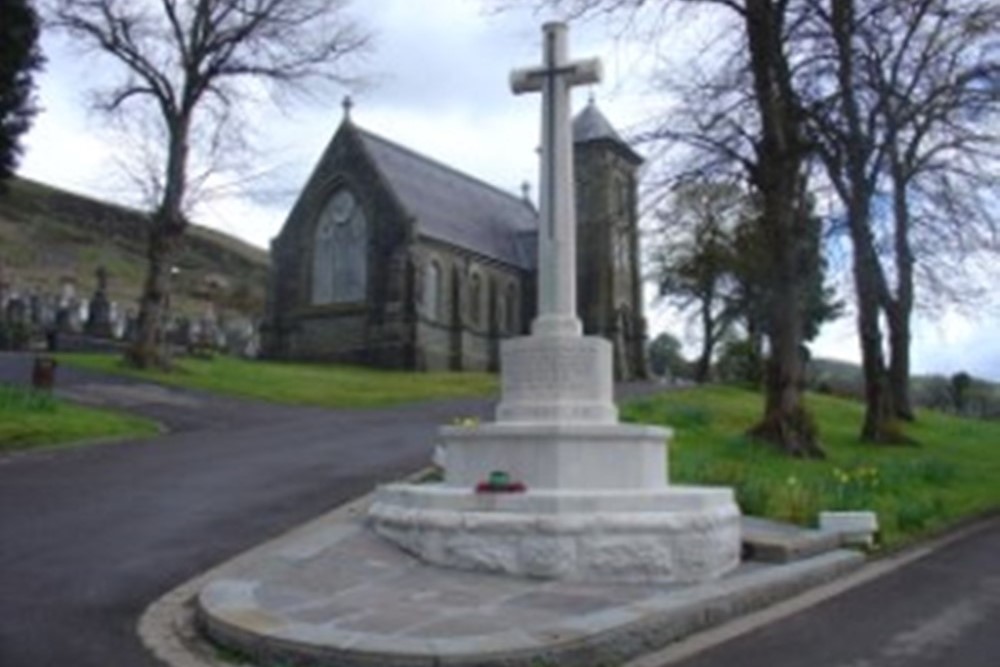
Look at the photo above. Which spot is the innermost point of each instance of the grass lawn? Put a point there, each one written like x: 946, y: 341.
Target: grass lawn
x: 33, y: 419
x: 333, y: 386
x: 953, y: 474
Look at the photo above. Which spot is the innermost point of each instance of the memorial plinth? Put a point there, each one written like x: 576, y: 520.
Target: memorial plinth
x: 589, y: 498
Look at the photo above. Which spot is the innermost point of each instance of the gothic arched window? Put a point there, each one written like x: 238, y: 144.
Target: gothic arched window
x: 475, y: 299
x: 340, y: 251
x: 501, y: 308
x: 510, y: 309
x: 433, y: 291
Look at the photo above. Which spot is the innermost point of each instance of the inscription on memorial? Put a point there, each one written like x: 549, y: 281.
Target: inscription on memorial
x: 565, y: 370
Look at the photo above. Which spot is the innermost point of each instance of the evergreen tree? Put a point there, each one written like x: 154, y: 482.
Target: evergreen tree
x: 19, y: 58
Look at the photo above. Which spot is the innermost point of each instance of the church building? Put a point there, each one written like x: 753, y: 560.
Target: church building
x: 391, y: 259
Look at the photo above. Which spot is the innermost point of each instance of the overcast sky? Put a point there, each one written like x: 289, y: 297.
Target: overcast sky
x: 438, y: 83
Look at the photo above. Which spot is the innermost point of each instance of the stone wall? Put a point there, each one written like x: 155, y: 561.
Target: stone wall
x: 377, y: 331
x: 479, y: 302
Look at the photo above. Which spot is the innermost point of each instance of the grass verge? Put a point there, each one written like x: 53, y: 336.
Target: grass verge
x: 334, y: 386
x: 31, y: 419
x: 954, y: 474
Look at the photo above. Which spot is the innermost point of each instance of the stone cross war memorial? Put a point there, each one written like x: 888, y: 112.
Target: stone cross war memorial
x: 554, y: 493
x: 591, y: 499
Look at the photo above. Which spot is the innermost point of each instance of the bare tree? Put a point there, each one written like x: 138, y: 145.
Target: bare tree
x: 848, y: 143
x: 934, y: 68
x: 900, y: 101
x: 190, y: 63
x: 780, y: 175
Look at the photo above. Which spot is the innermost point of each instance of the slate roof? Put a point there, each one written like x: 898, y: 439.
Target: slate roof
x: 456, y: 208
x: 591, y: 125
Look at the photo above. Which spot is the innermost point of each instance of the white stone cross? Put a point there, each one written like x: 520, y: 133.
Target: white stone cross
x: 557, y: 237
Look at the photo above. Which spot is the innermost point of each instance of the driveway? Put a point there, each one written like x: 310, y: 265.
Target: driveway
x: 90, y: 536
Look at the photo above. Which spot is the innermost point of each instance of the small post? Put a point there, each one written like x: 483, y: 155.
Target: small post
x: 43, y: 373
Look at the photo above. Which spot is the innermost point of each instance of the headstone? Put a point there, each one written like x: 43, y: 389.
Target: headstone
x: 67, y: 292
x: 241, y: 337
x: 99, y: 313
x: 78, y: 311
x: 185, y: 333
x: 556, y: 487
x: 4, y: 290
x: 50, y: 307
x: 36, y: 310
x: 63, y: 323
x: 131, y: 326
x: 67, y: 306
x: 118, y: 322
x: 15, y: 330
x: 16, y: 310
x: 208, y: 326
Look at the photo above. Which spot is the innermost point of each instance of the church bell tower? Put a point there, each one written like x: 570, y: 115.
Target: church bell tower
x: 609, y: 280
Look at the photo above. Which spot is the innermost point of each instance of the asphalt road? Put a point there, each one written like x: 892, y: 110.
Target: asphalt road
x: 90, y: 536
x: 942, y: 610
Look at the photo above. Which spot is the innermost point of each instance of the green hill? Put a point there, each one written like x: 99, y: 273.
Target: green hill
x: 48, y: 236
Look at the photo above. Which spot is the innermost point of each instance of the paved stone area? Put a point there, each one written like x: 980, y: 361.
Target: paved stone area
x: 775, y: 542
x: 336, y: 594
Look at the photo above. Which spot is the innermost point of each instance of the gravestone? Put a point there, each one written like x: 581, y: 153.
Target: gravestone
x: 131, y: 326
x: 99, y: 313
x: 16, y: 310
x: 116, y: 319
x: 5, y: 290
x: 79, y: 312
x: 556, y: 487
x: 67, y: 306
x: 208, y: 328
x: 185, y: 334
x: 15, y: 330
x: 36, y: 310
x: 49, y: 308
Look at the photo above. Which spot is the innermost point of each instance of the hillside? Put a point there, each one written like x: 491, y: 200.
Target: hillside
x: 49, y: 236
x: 981, y: 398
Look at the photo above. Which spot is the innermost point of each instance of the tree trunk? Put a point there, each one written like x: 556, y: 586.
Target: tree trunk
x: 899, y: 363
x: 869, y: 279
x: 148, y: 349
x: 875, y: 427
x: 165, y: 234
x: 899, y: 310
x: 780, y: 177
x: 704, y: 365
x: 786, y: 422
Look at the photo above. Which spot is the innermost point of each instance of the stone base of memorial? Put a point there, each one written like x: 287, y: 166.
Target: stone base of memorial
x: 588, y: 498
x: 675, y: 534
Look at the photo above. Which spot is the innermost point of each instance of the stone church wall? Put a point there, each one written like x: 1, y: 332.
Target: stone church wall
x: 453, y: 332
x: 610, y: 284
x: 430, y: 305
x: 378, y: 331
